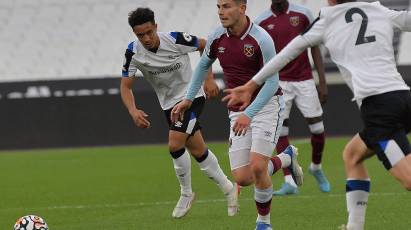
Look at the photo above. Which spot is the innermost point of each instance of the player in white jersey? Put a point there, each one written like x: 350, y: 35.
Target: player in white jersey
x: 359, y: 36
x: 163, y: 59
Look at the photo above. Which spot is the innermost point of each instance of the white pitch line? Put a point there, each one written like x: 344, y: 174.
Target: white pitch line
x: 168, y: 203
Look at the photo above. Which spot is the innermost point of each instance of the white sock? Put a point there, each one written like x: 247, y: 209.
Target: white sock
x: 285, y: 160
x: 182, y: 167
x: 289, y: 179
x: 357, y: 201
x: 315, y: 167
x: 213, y: 170
x: 270, y: 168
x: 263, y: 196
x: 264, y: 219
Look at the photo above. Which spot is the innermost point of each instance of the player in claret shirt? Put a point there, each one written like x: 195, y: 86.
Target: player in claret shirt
x: 359, y: 37
x: 163, y: 59
x: 243, y: 48
x: 284, y: 21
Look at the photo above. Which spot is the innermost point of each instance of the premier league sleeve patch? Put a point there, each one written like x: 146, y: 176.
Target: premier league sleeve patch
x: 185, y: 39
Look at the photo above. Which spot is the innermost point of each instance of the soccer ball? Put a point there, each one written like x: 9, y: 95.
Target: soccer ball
x: 30, y: 222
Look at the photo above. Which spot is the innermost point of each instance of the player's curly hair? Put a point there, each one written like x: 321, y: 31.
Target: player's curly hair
x: 140, y: 16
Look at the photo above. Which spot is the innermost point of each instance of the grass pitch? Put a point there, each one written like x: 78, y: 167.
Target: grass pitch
x: 124, y: 188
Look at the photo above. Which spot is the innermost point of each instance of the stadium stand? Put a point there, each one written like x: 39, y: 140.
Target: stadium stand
x: 52, y: 39
x: 69, y: 39
x: 60, y: 62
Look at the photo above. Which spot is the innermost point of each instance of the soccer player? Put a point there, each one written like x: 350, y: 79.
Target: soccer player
x: 163, y: 59
x: 284, y: 21
x: 242, y: 48
x: 359, y: 36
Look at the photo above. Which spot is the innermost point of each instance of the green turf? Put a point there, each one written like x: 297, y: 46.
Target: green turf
x: 123, y: 188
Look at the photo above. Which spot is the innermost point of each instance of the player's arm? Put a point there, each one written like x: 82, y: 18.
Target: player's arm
x: 210, y: 86
x: 242, y: 94
x: 139, y: 116
x: 400, y: 19
x: 312, y: 37
x: 129, y: 69
x: 271, y: 84
x: 289, y: 53
x: 319, y: 66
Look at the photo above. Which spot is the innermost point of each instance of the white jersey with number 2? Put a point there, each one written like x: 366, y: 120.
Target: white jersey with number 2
x: 359, y: 38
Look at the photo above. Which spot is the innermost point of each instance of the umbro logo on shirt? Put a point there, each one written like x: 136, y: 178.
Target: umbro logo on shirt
x: 221, y: 49
x: 172, y: 56
x: 268, y: 133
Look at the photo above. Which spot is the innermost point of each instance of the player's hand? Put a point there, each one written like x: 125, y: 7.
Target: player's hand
x: 238, y: 96
x: 177, y: 113
x: 322, y: 93
x: 241, y: 125
x: 211, y: 88
x: 140, y: 118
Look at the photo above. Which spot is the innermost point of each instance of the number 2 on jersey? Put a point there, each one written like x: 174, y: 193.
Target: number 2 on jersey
x: 361, y: 39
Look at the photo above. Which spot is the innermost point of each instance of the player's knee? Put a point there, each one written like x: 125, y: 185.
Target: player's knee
x: 174, y: 146
x: 258, y: 168
x: 243, y: 180
x: 349, y: 156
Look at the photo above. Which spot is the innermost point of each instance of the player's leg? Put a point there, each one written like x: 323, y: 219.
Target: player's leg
x: 289, y: 186
x: 394, y: 152
x: 209, y: 165
x: 402, y: 171
x: 263, y: 189
x: 308, y: 103
x: 265, y: 129
x: 385, y: 117
x: 182, y: 167
x: 387, y: 122
x: 358, y: 182
x: 239, y: 155
x: 178, y: 134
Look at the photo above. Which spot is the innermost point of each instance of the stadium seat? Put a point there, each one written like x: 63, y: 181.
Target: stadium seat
x: 56, y: 33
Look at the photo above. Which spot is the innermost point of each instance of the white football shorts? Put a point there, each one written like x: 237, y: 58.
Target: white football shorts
x: 261, y: 136
x: 305, y: 95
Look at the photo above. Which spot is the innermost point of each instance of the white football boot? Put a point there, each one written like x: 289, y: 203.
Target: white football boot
x: 232, y: 201
x: 183, y: 205
x: 295, y: 168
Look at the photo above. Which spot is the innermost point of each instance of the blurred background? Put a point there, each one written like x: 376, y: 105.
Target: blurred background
x: 61, y: 60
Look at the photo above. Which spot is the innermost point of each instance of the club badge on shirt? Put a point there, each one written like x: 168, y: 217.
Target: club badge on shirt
x: 295, y: 21
x: 248, y: 50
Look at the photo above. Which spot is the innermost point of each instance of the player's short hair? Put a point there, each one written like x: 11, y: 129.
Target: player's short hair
x: 241, y: 1
x: 344, y: 1
x: 140, y: 16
